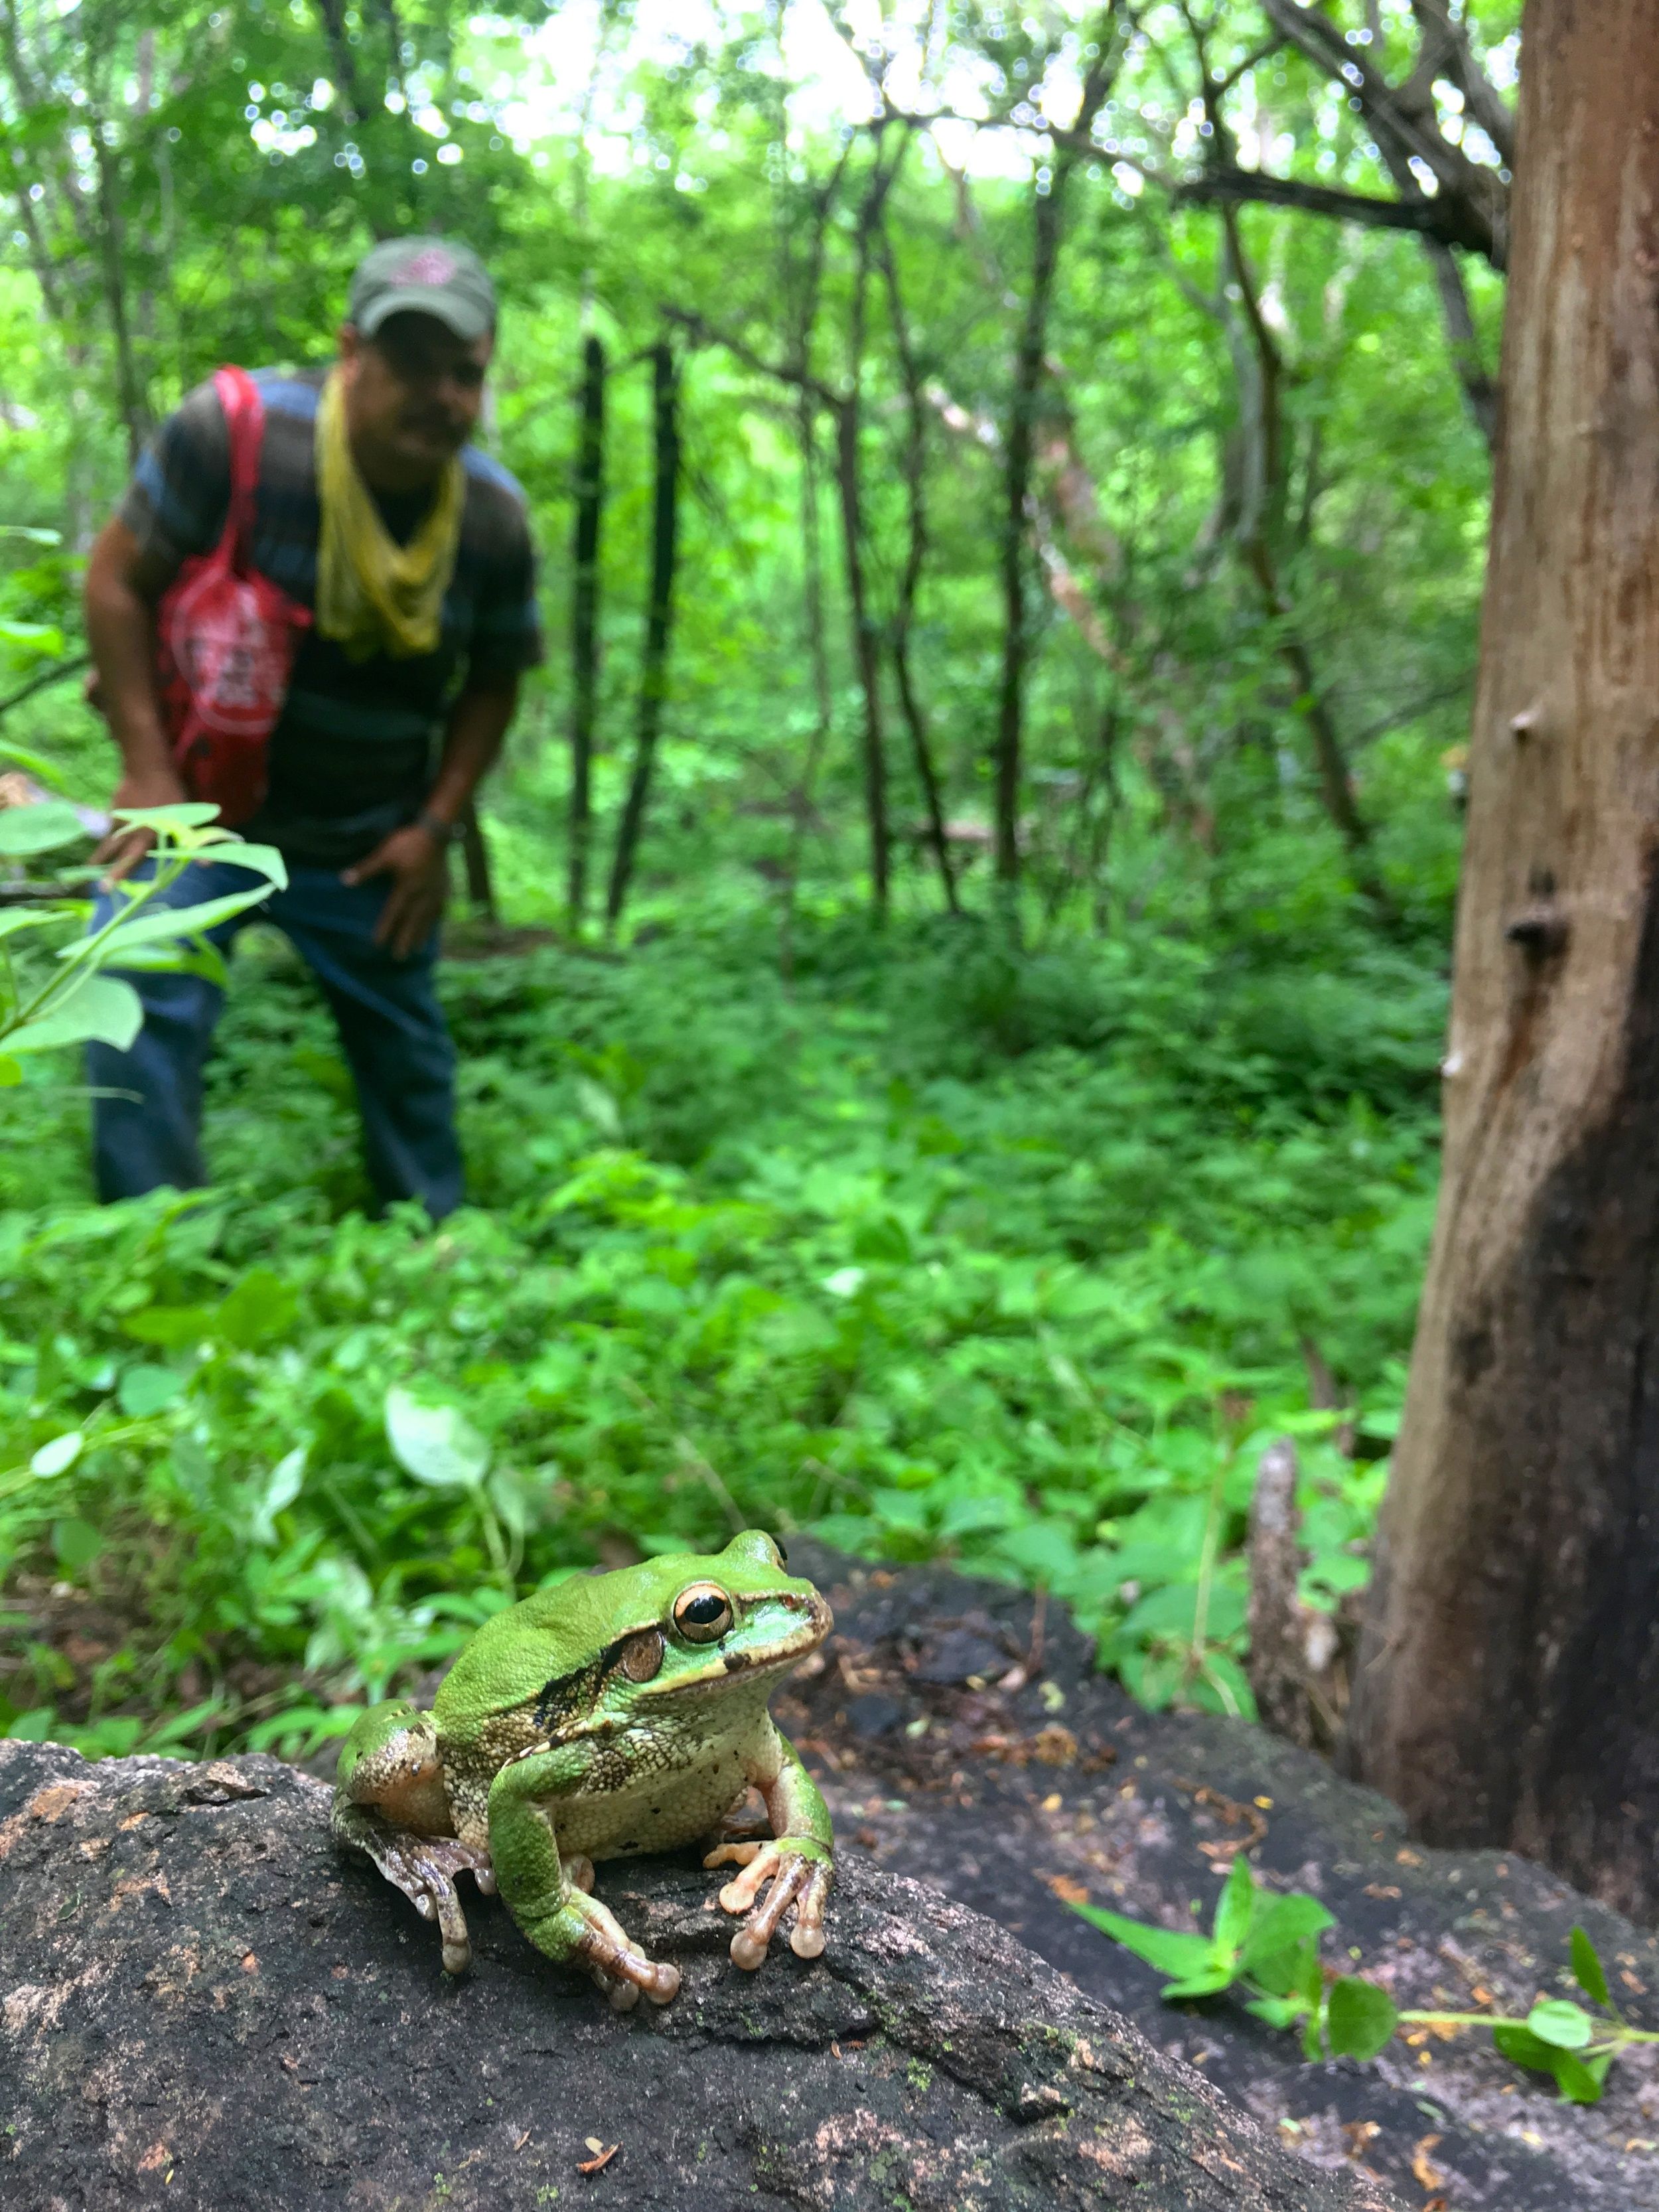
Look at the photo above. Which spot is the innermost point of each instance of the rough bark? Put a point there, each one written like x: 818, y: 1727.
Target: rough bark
x: 201, y: 2006
x: 1508, y: 1691
x: 1277, y: 1669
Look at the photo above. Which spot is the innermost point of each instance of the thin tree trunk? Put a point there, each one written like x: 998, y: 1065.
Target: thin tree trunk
x: 915, y: 500
x: 585, y: 619
x: 345, y: 67
x: 654, y: 666
x: 867, y: 655
x: 812, y: 543
x: 1048, y: 218
x: 1508, y: 1687
x: 1260, y: 529
x: 135, y: 415
x: 475, y: 856
x: 811, y: 546
x: 1480, y: 391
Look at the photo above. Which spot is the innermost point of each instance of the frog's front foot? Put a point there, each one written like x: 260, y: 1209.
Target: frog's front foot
x: 582, y: 1932
x: 799, y: 1868
x: 424, y: 1868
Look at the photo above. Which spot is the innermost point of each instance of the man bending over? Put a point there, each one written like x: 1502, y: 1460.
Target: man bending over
x: 412, y: 550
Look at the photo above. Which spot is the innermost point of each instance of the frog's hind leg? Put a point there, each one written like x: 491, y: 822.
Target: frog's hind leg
x: 547, y: 1895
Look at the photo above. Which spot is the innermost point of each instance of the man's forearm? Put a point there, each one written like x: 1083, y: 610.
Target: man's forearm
x: 477, y: 725
x: 121, y: 633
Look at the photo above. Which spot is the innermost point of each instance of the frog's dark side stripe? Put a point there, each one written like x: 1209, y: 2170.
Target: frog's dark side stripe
x: 567, y: 1696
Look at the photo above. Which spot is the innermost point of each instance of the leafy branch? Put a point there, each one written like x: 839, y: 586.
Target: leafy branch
x: 1265, y: 1945
x: 78, y: 1000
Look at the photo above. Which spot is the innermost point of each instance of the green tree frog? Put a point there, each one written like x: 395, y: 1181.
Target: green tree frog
x: 611, y: 1714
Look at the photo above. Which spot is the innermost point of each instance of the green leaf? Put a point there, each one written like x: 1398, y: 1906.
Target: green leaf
x: 76, y: 1543
x: 1588, y: 1970
x: 1578, y: 2080
x: 188, y: 814
x: 264, y: 859
x: 155, y: 924
x: 97, y: 1007
x: 1280, y: 1925
x: 1575, y: 2081
x: 1167, y: 1948
x: 1219, y: 1974
x: 436, y: 1444
x: 1235, y: 1908
x: 1359, y: 2018
x: 42, y: 828
x: 282, y: 1488
x: 17, y: 918
x: 172, y: 1328
x: 146, y: 1390
x: 1294, y: 1972
x: 1523, y: 2048
x: 1562, y: 2024
x: 58, y: 1456
x: 261, y: 1307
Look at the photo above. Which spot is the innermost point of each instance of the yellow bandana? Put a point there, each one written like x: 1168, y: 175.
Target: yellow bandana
x: 372, y: 594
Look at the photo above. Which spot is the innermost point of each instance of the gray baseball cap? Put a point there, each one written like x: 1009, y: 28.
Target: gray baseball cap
x: 423, y: 276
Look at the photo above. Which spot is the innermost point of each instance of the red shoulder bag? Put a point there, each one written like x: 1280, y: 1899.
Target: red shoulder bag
x: 225, y: 637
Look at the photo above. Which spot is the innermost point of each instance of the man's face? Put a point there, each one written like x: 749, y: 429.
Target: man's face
x: 413, y: 394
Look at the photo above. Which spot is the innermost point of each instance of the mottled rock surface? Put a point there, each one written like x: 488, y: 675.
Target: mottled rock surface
x: 200, y: 2006
x: 961, y: 1735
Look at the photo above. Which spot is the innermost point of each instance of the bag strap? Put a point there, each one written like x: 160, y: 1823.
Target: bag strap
x: 244, y: 422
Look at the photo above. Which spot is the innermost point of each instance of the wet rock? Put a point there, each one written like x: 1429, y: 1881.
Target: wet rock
x: 1051, y: 1787
x: 201, y: 2006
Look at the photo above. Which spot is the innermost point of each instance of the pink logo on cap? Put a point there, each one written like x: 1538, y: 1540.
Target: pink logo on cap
x: 432, y: 266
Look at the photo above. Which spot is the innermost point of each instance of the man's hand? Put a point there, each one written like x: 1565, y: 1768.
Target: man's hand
x: 414, y: 859
x: 124, y: 848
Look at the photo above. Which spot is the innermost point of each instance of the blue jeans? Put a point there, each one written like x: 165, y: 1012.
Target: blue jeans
x: 391, y: 1023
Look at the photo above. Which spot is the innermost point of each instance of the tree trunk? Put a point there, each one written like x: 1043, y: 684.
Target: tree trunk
x: 914, y: 465
x: 849, y: 413
x: 475, y: 857
x: 1049, y: 222
x: 1508, y: 1691
x: 864, y: 647
x: 654, y: 666
x: 585, y: 619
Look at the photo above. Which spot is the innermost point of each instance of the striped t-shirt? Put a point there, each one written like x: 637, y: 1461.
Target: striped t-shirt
x: 352, y: 756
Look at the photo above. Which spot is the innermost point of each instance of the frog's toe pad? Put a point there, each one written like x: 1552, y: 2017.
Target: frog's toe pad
x: 425, y: 1867
x: 795, y: 1880
x: 604, y: 1947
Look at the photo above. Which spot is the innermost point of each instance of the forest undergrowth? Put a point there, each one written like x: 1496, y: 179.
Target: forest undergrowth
x: 937, y: 1250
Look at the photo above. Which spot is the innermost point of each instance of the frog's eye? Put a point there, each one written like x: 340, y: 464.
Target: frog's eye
x: 702, y: 1614
x: 783, y: 1556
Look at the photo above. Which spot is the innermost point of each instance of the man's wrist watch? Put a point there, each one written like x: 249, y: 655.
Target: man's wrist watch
x: 439, y: 830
